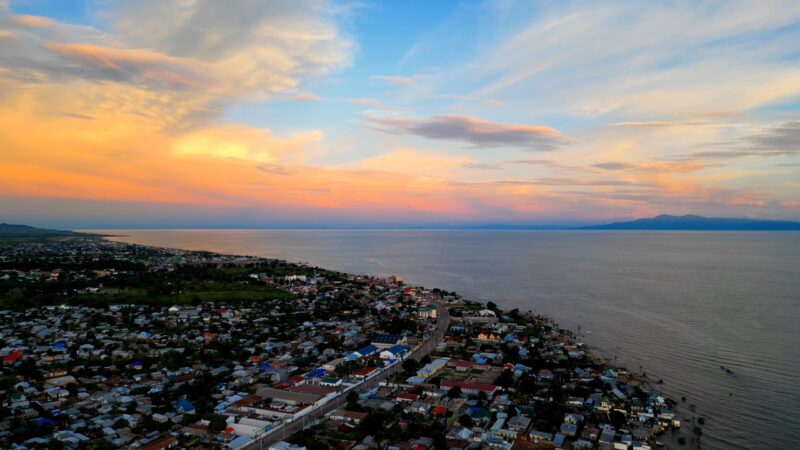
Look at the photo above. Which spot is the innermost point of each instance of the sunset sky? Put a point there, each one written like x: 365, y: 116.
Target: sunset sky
x: 207, y: 113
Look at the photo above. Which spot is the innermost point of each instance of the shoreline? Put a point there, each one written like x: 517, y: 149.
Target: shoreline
x: 518, y: 361
x: 598, y: 358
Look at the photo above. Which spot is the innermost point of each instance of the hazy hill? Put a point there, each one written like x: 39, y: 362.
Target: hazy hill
x: 8, y: 230
x: 689, y: 222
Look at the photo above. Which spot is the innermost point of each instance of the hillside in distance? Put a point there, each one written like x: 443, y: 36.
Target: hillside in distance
x: 8, y: 230
x: 692, y: 222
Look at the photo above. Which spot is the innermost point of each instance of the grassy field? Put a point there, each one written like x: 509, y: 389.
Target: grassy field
x: 192, y: 293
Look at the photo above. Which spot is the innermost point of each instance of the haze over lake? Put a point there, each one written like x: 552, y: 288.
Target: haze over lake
x: 680, y: 304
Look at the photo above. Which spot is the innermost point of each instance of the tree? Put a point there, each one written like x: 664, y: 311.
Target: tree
x: 352, y: 400
x: 454, y: 392
x: 172, y: 360
x: 410, y: 365
x: 217, y: 423
x: 506, y: 379
x: 465, y: 421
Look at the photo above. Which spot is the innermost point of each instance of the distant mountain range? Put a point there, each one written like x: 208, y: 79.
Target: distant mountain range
x: 8, y: 230
x: 661, y: 222
x: 667, y: 222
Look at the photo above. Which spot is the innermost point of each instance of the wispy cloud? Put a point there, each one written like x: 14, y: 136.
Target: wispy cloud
x: 482, y: 166
x: 775, y: 140
x: 478, y: 132
x: 655, y: 166
x: 305, y: 97
x: 398, y: 80
x: 785, y: 136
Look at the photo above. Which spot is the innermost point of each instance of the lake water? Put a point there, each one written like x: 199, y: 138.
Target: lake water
x: 678, y: 304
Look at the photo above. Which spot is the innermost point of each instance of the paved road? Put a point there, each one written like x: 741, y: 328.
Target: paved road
x: 284, y: 431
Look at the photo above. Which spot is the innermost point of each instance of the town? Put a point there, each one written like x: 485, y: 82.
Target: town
x: 111, y: 345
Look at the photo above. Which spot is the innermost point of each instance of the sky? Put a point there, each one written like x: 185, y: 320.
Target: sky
x: 251, y: 114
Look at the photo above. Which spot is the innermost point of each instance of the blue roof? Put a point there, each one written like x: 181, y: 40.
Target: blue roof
x: 266, y: 367
x: 44, y: 421
x: 183, y: 405
x: 239, y: 442
x: 59, y: 345
x: 397, y: 349
x: 387, y: 339
x: 316, y: 373
x: 368, y: 350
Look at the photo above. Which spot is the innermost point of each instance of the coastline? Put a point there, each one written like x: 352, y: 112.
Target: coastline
x: 670, y: 437
x: 509, y: 379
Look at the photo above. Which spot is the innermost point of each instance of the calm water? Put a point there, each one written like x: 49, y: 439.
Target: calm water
x: 679, y: 304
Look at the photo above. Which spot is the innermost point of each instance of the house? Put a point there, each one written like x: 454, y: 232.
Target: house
x: 406, y: 397
x: 540, y: 437
x: 368, y: 351
x: 183, y: 406
x: 469, y: 388
x: 607, y: 436
x: 290, y: 397
x: 519, y: 423
x: 330, y: 382
x: 427, y: 312
x: 347, y: 416
x: 388, y: 340
x: 569, y: 429
x: 161, y: 444
x: 62, y: 381
x: 13, y: 357
x: 462, y: 365
x: 430, y: 369
x: 333, y: 364
x: 283, y: 445
x: 487, y: 337
x: 394, y: 352
x: 364, y: 372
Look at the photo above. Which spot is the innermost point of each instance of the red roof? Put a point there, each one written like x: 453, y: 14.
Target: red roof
x: 13, y: 356
x: 295, y: 379
x: 471, y: 386
x: 247, y: 401
x: 319, y: 390
x: 439, y: 410
x: 464, y: 363
x: 420, y: 447
x: 364, y: 371
x: 160, y: 444
x: 406, y: 396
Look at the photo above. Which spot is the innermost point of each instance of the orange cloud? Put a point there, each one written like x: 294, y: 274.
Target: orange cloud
x: 30, y: 21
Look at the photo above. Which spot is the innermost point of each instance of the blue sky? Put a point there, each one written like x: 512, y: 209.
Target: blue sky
x: 318, y: 112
